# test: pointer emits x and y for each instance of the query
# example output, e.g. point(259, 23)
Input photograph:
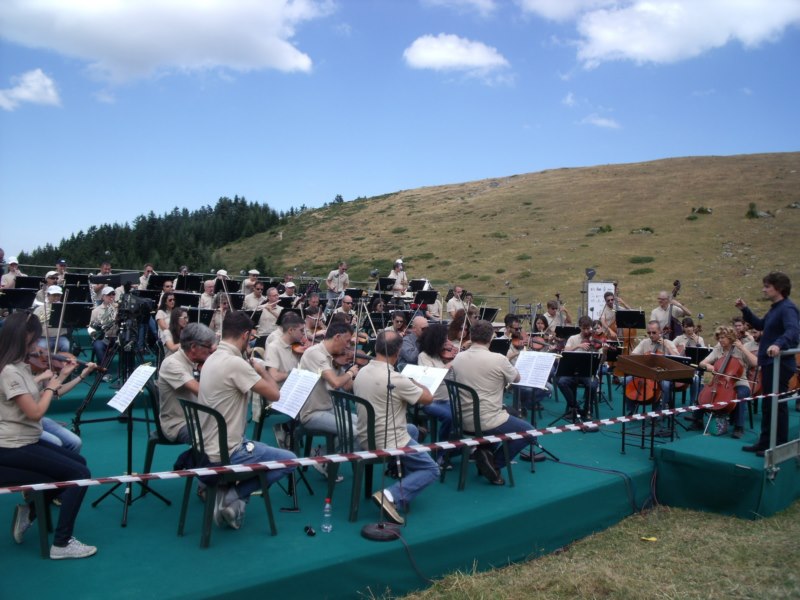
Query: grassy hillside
point(529, 236)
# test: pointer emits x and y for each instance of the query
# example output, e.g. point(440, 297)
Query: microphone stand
point(384, 531)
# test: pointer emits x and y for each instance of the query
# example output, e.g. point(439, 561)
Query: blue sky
point(110, 112)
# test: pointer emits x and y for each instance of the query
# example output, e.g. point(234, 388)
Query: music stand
point(385, 284)
point(152, 295)
point(230, 285)
point(26, 282)
point(76, 279)
point(697, 354)
point(77, 293)
point(500, 345)
point(189, 283)
point(255, 317)
point(577, 364)
point(658, 368)
point(186, 299)
point(236, 300)
point(417, 285)
point(12, 298)
point(356, 294)
point(156, 282)
point(201, 315)
point(76, 314)
point(564, 332)
point(488, 314)
point(287, 302)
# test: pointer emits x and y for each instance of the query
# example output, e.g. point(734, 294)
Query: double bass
point(673, 328)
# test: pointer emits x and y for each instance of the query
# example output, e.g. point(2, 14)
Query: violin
point(448, 354)
point(299, 347)
point(39, 362)
point(351, 358)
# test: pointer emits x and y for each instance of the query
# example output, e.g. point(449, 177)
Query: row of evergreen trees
point(180, 237)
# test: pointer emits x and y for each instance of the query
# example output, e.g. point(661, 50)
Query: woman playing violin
point(435, 350)
point(171, 337)
point(164, 313)
point(690, 338)
point(22, 406)
point(729, 344)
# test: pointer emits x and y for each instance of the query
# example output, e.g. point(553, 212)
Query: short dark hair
point(780, 281)
point(509, 319)
point(607, 294)
point(337, 327)
point(481, 332)
point(235, 324)
point(585, 321)
point(388, 343)
point(291, 319)
point(687, 322)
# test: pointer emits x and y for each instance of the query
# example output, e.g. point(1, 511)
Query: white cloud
point(447, 52)
point(666, 31)
point(34, 87)
point(569, 100)
point(127, 39)
point(483, 7)
point(560, 10)
point(598, 121)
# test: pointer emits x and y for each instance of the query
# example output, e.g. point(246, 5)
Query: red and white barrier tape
point(341, 458)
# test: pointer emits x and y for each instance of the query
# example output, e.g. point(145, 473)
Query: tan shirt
point(317, 359)
point(281, 357)
point(646, 346)
point(662, 315)
point(226, 380)
point(17, 430)
point(425, 360)
point(176, 371)
point(487, 373)
point(390, 429)
point(206, 301)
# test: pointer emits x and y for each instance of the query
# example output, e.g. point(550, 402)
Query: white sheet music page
point(534, 368)
point(430, 377)
point(123, 398)
point(295, 391)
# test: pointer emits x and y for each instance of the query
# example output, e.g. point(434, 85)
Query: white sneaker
point(73, 549)
point(21, 522)
point(233, 513)
point(322, 469)
point(218, 502)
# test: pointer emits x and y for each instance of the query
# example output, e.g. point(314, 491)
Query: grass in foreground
point(695, 555)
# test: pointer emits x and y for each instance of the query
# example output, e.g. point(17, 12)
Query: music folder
point(295, 390)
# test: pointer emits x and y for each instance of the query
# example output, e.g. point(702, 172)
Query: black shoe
point(485, 460)
point(754, 448)
point(760, 453)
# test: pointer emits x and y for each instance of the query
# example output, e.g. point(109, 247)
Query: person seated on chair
point(435, 350)
point(655, 343)
point(728, 342)
point(22, 406)
point(568, 385)
point(488, 373)
point(317, 413)
point(391, 429)
point(178, 378)
point(225, 385)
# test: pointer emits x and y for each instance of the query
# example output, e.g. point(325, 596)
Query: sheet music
point(430, 377)
point(534, 368)
point(295, 391)
point(123, 398)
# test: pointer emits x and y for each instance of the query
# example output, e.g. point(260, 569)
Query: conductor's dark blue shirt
point(781, 327)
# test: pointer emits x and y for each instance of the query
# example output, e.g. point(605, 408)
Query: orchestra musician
point(314, 324)
point(284, 352)
point(435, 350)
point(779, 331)
point(207, 297)
point(221, 309)
point(456, 303)
point(337, 282)
point(270, 312)
point(178, 320)
point(22, 406)
point(557, 315)
point(144, 279)
point(689, 338)
point(251, 281)
point(103, 329)
point(656, 343)
point(54, 334)
point(661, 313)
point(50, 279)
point(400, 278)
point(568, 385)
point(9, 279)
point(608, 316)
point(61, 272)
point(729, 344)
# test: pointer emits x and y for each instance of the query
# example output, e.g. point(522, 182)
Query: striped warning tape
point(365, 455)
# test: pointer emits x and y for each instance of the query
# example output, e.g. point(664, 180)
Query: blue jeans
point(569, 386)
point(512, 425)
point(53, 463)
point(441, 410)
point(63, 344)
point(325, 422)
point(259, 453)
point(419, 471)
point(742, 391)
point(59, 435)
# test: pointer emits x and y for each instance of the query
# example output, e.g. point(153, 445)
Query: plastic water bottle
point(327, 517)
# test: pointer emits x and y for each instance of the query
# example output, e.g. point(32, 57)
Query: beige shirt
point(176, 371)
point(226, 380)
point(400, 281)
point(662, 315)
point(280, 356)
point(339, 281)
point(206, 301)
point(454, 305)
point(646, 346)
point(424, 360)
point(269, 319)
point(718, 353)
point(317, 359)
point(487, 373)
point(17, 430)
point(370, 384)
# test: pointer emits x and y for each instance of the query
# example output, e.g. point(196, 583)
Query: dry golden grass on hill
point(540, 231)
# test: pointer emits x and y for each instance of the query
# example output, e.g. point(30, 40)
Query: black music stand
point(697, 354)
point(658, 368)
point(114, 280)
point(255, 317)
point(230, 286)
point(156, 282)
point(564, 332)
point(26, 282)
point(287, 302)
point(426, 297)
point(578, 364)
point(488, 313)
point(200, 315)
point(77, 293)
point(500, 345)
point(417, 285)
point(356, 294)
point(186, 299)
point(629, 319)
point(188, 283)
point(153, 295)
point(76, 314)
point(12, 298)
point(385, 284)
point(76, 279)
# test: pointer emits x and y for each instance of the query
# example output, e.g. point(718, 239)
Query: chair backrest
point(459, 393)
point(344, 405)
point(193, 412)
point(154, 399)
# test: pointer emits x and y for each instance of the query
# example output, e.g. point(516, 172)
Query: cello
point(727, 371)
point(673, 328)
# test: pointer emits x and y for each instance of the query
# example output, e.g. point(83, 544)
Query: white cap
point(51, 274)
point(399, 261)
point(222, 273)
point(289, 284)
point(12, 260)
point(54, 289)
point(107, 290)
point(251, 272)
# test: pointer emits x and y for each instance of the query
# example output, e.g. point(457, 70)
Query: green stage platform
point(592, 487)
